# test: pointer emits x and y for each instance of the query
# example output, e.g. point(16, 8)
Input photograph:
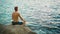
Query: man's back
point(15, 16)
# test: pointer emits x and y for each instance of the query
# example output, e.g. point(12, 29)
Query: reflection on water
point(43, 15)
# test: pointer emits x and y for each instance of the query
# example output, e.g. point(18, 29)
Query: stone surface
point(15, 29)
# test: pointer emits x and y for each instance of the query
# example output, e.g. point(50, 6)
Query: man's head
point(16, 8)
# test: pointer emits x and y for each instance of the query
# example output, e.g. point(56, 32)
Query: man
point(15, 16)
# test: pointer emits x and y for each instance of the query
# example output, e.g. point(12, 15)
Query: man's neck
point(16, 11)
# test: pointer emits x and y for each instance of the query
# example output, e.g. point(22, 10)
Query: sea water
point(43, 16)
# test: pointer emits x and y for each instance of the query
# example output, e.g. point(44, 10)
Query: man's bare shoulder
point(18, 13)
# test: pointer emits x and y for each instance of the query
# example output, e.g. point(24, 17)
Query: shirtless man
point(15, 16)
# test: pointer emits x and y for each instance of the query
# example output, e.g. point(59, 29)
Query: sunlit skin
point(15, 16)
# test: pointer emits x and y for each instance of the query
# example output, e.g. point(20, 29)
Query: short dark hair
point(16, 8)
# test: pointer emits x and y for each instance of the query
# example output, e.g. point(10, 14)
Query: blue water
point(43, 16)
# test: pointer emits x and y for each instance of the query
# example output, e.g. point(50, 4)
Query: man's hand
point(24, 22)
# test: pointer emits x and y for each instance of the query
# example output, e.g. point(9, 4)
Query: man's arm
point(21, 18)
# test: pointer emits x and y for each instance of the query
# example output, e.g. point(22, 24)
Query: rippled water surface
point(43, 15)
